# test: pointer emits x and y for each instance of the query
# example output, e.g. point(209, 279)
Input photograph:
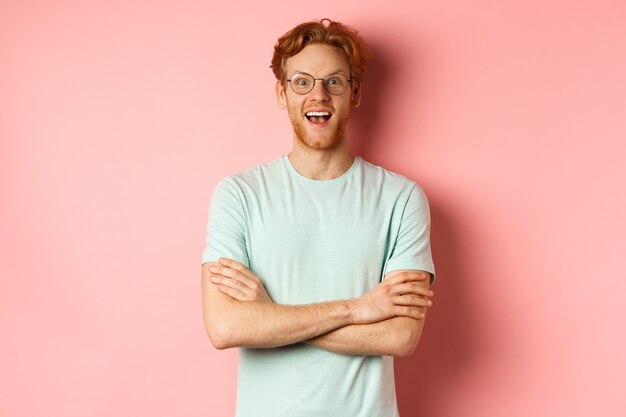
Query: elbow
point(220, 335)
point(406, 342)
point(219, 342)
point(404, 350)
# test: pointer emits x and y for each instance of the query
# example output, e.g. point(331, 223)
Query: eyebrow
point(339, 71)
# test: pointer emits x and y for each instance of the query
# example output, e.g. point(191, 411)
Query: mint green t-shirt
point(312, 241)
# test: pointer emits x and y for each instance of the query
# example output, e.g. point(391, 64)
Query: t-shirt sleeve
point(411, 249)
point(226, 225)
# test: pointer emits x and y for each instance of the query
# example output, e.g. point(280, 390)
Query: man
point(317, 263)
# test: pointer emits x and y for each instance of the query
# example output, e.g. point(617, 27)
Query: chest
point(307, 248)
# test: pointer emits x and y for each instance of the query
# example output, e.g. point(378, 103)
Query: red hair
point(334, 34)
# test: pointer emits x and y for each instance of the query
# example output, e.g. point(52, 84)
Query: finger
point(407, 277)
point(231, 263)
point(410, 312)
point(231, 283)
point(412, 288)
point(411, 300)
point(234, 274)
point(231, 292)
point(238, 266)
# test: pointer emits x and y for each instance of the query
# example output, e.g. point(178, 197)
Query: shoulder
point(251, 178)
point(388, 181)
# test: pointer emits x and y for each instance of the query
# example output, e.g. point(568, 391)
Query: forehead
point(318, 60)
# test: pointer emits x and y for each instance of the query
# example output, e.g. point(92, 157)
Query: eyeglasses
point(303, 83)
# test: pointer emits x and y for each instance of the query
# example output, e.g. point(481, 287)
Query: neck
point(318, 164)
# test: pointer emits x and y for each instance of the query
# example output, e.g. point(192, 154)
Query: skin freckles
point(319, 61)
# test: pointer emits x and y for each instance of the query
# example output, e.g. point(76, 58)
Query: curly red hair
point(334, 34)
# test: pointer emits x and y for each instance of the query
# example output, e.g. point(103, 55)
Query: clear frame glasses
point(303, 83)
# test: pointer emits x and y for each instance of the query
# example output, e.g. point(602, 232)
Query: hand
point(404, 294)
point(235, 280)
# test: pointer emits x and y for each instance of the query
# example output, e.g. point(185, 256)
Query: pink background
point(117, 118)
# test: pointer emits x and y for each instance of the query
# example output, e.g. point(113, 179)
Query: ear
point(281, 98)
point(356, 94)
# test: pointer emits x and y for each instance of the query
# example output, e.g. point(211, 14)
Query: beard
point(328, 141)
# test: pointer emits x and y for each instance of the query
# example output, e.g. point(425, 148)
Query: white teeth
point(317, 113)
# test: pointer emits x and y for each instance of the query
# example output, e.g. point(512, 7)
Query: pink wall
point(118, 117)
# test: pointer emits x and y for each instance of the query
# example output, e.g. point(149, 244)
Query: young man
point(317, 263)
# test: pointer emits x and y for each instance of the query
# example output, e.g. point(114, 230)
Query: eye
point(301, 81)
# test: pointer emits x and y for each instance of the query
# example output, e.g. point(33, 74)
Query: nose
point(319, 93)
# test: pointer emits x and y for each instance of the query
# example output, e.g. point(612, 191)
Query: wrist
point(351, 307)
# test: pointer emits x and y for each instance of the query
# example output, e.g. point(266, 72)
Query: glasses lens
point(336, 83)
point(302, 83)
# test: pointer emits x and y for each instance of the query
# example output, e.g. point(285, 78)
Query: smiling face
point(318, 118)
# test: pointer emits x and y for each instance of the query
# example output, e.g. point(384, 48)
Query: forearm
point(239, 313)
point(234, 323)
point(397, 336)
point(263, 325)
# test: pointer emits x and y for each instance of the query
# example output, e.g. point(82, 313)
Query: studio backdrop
point(117, 119)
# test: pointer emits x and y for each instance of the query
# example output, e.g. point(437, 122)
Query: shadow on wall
point(365, 121)
point(447, 349)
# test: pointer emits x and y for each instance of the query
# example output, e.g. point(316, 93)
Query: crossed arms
point(387, 320)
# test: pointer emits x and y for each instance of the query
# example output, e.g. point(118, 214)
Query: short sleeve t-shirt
point(312, 241)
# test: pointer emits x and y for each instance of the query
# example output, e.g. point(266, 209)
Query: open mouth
point(318, 117)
